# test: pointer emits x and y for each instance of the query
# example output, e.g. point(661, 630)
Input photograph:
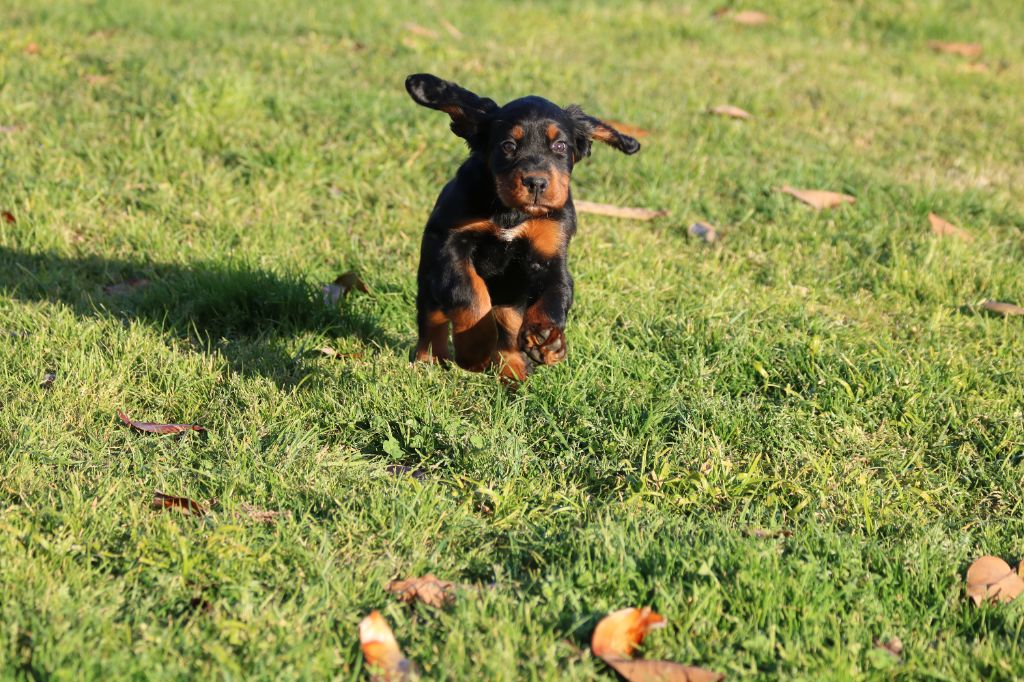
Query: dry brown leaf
point(383, 656)
point(730, 111)
point(180, 504)
point(969, 50)
point(945, 228)
point(991, 578)
point(126, 286)
point(341, 286)
point(818, 198)
point(661, 671)
point(893, 645)
point(48, 378)
point(626, 128)
point(421, 31)
point(749, 17)
point(999, 308)
point(618, 635)
point(402, 470)
point(452, 31)
point(704, 232)
point(162, 429)
point(259, 515)
point(618, 211)
point(427, 589)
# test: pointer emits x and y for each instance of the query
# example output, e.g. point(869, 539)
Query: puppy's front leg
point(542, 336)
point(474, 334)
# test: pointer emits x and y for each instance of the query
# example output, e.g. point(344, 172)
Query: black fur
point(505, 220)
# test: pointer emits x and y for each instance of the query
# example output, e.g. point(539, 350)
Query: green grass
point(817, 372)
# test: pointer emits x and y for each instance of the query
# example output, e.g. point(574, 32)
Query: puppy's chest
point(526, 248)
point(536, 241)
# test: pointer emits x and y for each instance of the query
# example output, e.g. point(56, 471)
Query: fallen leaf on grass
point(427, 589)
point(892, 645)
point(945, 228)
point(329, 352)
point(730, 111)
point(421, 31)
point(48, 379)
point(340, 287)
point(618, 211)
point(259, 515)
point(991, 578)
point(661, 671)
point(163, 429)
point(402, 470)
point(382, 653)
point(126, 286)
point(8, 217)
point(180, 504)
point(452, 31)
point(1000, 308)
point(749, 17)
point(628, 129)
point(618, 635)
point(818, 198)
point(960, 49)
point(704, 232)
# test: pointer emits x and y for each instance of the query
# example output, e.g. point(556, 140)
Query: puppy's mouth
point(534, 193)
point(536, 207)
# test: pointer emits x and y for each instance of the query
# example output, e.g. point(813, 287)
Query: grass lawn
point(824, 373)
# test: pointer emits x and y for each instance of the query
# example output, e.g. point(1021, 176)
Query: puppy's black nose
point(535, 183)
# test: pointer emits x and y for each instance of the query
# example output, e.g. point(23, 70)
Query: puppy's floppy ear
point(468, 111)
point(588, 128)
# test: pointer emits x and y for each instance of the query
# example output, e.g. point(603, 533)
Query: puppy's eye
point(559, 147)
point(508, 147)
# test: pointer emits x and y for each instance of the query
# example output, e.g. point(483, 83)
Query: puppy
point(494, 258)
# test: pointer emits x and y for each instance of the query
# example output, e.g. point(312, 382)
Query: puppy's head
point(530, 145)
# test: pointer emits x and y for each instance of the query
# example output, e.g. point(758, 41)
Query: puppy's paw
point(513, 366)
point(543, 345)
point(424, 355)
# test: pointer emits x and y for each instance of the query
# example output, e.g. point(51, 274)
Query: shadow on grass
point(246, 313)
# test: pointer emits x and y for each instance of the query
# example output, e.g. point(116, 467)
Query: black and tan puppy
point(494, 257)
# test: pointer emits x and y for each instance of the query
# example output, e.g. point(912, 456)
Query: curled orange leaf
point(990, 578)
point(381, 651)
point(621, 632)
point(618, 635)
